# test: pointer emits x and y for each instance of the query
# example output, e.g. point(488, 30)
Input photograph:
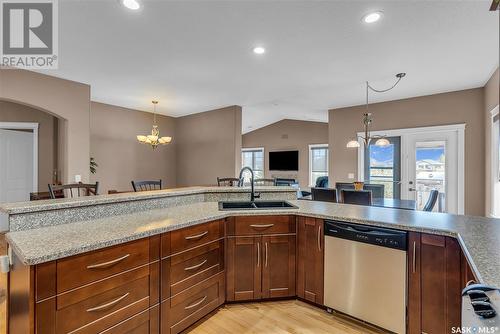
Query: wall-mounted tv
point(284, 160)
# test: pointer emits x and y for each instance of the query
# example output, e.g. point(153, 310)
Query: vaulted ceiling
point(197, 55)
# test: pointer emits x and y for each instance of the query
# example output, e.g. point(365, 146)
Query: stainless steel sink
point(256, 205)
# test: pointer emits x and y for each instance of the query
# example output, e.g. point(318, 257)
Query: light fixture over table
point(154, 138)
point(367, 119)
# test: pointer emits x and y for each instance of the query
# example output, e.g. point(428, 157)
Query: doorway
point(18, 161)
point(430, 158)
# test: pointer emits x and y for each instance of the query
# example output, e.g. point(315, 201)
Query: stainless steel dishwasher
point(365, 273)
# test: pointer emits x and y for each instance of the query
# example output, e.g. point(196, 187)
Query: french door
point(417, 161)
point(432, 163)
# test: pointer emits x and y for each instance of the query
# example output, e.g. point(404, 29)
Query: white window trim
point(34, 128)
point(459, 128)
point(248, 149)
point(494, 160)
point(312, 182)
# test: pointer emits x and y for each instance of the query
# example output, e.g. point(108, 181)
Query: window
point(318, 162)
point(382, 166)
point(253, 158)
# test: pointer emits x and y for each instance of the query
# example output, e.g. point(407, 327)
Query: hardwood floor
point(3, 290)
point(291, 316)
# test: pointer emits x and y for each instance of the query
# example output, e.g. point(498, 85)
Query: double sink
point(256, 205)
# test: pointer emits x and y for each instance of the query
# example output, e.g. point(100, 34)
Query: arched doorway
point(30, 150)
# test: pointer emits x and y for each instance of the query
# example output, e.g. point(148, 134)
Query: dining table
point(393, 203)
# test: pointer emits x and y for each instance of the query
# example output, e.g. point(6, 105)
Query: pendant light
point(367, 120)
point(154, 138)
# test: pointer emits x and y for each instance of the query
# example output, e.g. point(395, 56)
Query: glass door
point(432, 164)
point(383, 166)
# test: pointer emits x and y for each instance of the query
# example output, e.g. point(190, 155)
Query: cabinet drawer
point(187, 307)
point(105, 309)
point(79, 270)
point(190, 237)
point(186, 269)
point(145, 322)
point(259, 225)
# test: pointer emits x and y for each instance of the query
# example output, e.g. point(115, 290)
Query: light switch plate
point(78, 178)
point(350, 176)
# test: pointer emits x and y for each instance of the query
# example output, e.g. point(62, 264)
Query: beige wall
point(465, 106)
point(491, 98)
point(121, 158)
point(62, 98)
point(47, 137)
point(207, 146)
point(288, 135)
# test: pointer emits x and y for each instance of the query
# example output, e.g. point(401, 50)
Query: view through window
point(253, 158)
point(318, 162)
point(430, 172)
point(382, 166)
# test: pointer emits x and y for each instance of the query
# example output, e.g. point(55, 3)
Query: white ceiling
point(197, 55)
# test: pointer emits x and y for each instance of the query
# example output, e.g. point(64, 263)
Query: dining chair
point(146, 185)
point(228, 181)
point(359, 197)
point(376, 189)
point(431, 201)
point(324, 194)
point(321, 182)
point(73, 190)
point(264, 182)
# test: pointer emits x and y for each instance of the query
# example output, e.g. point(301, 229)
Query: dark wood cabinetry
point(260, 257)
point(310, 259)
point(244, 263)
point(164, 284)
point(434, 284)
point(278, 266)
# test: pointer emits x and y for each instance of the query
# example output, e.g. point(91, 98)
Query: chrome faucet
point(252, 194)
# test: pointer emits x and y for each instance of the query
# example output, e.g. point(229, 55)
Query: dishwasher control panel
point(374, 235)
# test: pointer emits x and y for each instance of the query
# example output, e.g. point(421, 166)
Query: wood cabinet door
point(435, 284)
point(310, 257)
point(278, 266)
point(244, 262)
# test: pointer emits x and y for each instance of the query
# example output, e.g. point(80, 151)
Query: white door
point(16, 165)
point(433, 161)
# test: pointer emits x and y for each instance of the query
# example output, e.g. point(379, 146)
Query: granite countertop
point(478, 236)
point(64, 203)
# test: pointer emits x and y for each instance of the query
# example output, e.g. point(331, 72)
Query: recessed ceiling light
point(131, 4)
point(372, 17)
point(259, 50)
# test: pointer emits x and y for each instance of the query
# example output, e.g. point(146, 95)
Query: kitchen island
point(54, 243)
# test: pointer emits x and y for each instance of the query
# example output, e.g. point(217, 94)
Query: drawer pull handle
point(108, 305)
point(266, 255)
point(319, 238)
point(198, 236)
point(261, 225)
point(195, 304)
point(108, 264)
point(470, 282)
point(258, 254)
point(414, 259)
point(195, 266)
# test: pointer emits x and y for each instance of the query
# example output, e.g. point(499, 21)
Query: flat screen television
point(284, 160)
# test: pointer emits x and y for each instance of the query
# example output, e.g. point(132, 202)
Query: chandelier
point(367, 119)
point(154, 138)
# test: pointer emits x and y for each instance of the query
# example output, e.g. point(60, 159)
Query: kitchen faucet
point(252, 194)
